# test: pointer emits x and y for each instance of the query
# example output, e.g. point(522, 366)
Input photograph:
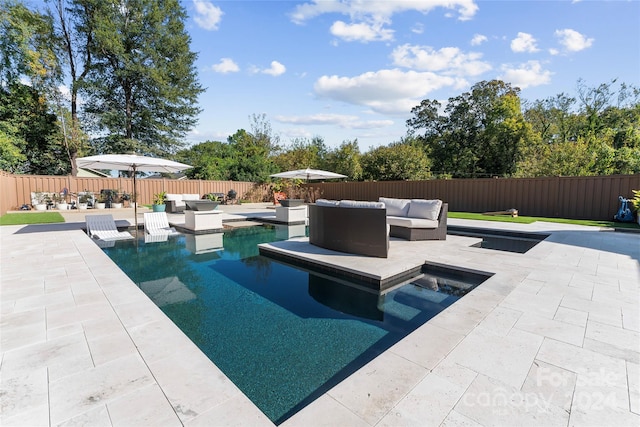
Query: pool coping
point(385, 391)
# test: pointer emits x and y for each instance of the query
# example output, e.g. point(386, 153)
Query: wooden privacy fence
point(590, 197)
point(15, 190)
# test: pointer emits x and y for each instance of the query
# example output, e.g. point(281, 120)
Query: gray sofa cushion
point(325, 202)
point(360, 204)
point(427, 209)
point(395, 207)
point(408, 222)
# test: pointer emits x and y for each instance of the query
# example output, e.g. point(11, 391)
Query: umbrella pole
point(135, 197)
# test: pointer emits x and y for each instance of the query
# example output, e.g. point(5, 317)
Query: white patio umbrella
point(133, 163)
point(308, 174)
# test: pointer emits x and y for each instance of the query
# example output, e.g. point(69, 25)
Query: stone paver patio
point(553, 338)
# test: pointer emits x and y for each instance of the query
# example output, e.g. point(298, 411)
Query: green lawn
point(52, 217)
point(31, 218)
point(530, 219)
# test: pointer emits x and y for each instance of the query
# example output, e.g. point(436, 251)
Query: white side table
point(202, 220)
point(294, 214)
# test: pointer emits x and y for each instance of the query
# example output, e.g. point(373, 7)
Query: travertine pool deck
point(552, 338)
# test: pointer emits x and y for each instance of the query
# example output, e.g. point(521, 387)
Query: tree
point(11, 157)
point(599, 136)
point(553, 118)
point(504, 136)
point(29, 125)
point(397, 161)
point(141, 87)
point(74, 32)
point(212, 160)
point(29, 135)
point(346, 160)
point(481, 132)
point(593, 102)
point(301, 154)
point(27, 48)
point(251, 157)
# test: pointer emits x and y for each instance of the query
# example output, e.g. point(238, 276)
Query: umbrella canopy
point(308, 174)
point(133, 163)
point(130, 162)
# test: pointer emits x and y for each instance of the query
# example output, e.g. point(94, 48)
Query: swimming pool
point(283, 335)
point(500, 240)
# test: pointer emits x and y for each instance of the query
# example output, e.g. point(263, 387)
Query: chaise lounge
point(157, 224)
point(103, 227)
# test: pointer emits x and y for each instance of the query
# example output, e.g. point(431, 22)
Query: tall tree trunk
point(65, 28)
point(128, 112)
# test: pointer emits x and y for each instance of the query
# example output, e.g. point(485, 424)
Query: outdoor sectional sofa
point(176, 202)
point(416, 219)
point(349, 226)
point(364, 227)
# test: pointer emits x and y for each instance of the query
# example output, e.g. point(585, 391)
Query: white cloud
point(200, 135)
point(275, 70)
point(448, 60)
point(297, 132)
point(524, 43)
point(478, 39)
point(525, 75)
point(368, 18)
point(340, 120)
point(207, 16)
point(418, 28)
point(226, 65)
point(360, 32)
point(385, 91)
point(572, 40)
point(380, 10)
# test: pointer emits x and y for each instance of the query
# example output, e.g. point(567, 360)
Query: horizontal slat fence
point(589, 197)
point(15, 190)
point(593, 197)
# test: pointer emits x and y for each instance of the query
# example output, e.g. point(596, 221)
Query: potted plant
point(101, 203)
point(125, 197)
point(158, 201)
point(40, 201)
point(83, 200)
point(214, 198)
point(278, 193)
point(57, 201)
point(116, 200)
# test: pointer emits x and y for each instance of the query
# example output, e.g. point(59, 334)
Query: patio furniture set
point(177, 203)
point(355, 227)
point(364, 227)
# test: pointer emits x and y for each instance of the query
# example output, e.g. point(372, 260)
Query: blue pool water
point(284, 336)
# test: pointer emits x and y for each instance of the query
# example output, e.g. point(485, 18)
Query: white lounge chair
point(155, 238)
point(103, 227)
point(157, 223)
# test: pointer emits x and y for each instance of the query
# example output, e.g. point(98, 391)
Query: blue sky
point(347, 69)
